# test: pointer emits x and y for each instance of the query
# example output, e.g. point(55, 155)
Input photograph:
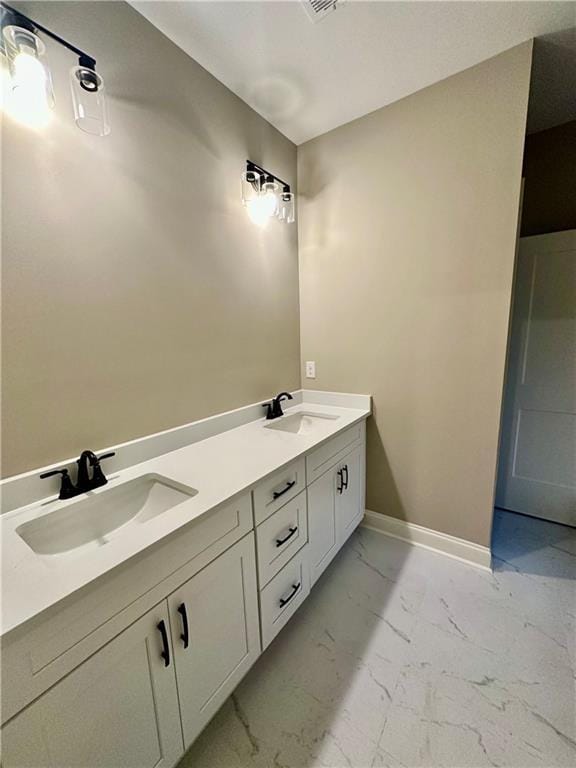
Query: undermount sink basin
point(97, 518)
point(301, 423)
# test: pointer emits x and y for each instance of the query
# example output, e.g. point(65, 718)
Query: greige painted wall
point(137, 295)
point(550, 181)
point(407, 234)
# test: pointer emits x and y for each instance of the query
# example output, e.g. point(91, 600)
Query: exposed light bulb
point(28, 100)
point(262, 208)
point(28, 96)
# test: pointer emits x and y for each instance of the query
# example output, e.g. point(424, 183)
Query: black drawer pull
point(340, 486)
point(165, 654)
point(285, 600)
point(345, 482)
point(184, 636)
point(277, 494)
point(279, 542)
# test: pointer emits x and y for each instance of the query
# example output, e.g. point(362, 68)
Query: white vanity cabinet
point(214, 622)
point(119, 709)
point(126, 672)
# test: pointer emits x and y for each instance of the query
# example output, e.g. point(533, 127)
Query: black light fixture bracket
point(12, 16)
point(266, 175)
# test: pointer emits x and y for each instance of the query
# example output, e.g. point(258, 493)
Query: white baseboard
point(459, 549)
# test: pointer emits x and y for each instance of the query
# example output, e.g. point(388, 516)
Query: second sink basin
point(97, 518)
point(301, 423)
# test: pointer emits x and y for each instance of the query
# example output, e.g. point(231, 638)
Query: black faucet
point(274, 407)
point(89, 459)
point(85, 482)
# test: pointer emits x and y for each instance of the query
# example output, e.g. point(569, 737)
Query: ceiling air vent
point(319, 9)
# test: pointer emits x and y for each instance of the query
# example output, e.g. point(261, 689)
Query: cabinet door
point(350, 501)
point(119, 709)
point(322, 525)
point(214, 618)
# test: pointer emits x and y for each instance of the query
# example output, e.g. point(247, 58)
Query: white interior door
point(537, 472)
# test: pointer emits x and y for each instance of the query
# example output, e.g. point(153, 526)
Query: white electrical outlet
point(310, 369)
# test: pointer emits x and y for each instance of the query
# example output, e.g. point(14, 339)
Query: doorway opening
point(536, 485)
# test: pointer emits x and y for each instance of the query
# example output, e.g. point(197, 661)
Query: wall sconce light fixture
point(30, 97)
point(266, 196)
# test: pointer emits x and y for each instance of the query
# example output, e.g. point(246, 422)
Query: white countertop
point(219, 468)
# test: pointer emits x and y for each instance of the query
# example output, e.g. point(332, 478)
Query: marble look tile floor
point(404, 658)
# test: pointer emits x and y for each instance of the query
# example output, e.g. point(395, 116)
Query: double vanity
point(131, 612)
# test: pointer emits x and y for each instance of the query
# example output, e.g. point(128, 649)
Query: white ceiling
point(308, 78)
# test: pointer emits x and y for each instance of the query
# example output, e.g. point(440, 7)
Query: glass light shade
point(291, 209)
point(89, 100)
point(251, 181)
point(30, 97)
point(286, 207)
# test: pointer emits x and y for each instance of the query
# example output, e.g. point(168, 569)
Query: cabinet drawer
point(280, 536)
point(45, 649)
point(273, 492)
point(328, 454)
point(283, 595)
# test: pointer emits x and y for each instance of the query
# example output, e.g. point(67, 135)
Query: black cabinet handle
point(340, 487)
point(277, 494)
point(345, 482)
point(165, 653)
point(279, 542)
point(184, 636)
point(285, 600)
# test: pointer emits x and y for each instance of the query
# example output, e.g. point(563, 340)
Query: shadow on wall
point(339, 653)
point(189, 123)
point(552, 80)
point(322, 225)
point(380, 482)
point(315, 180)
point(188, 142)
